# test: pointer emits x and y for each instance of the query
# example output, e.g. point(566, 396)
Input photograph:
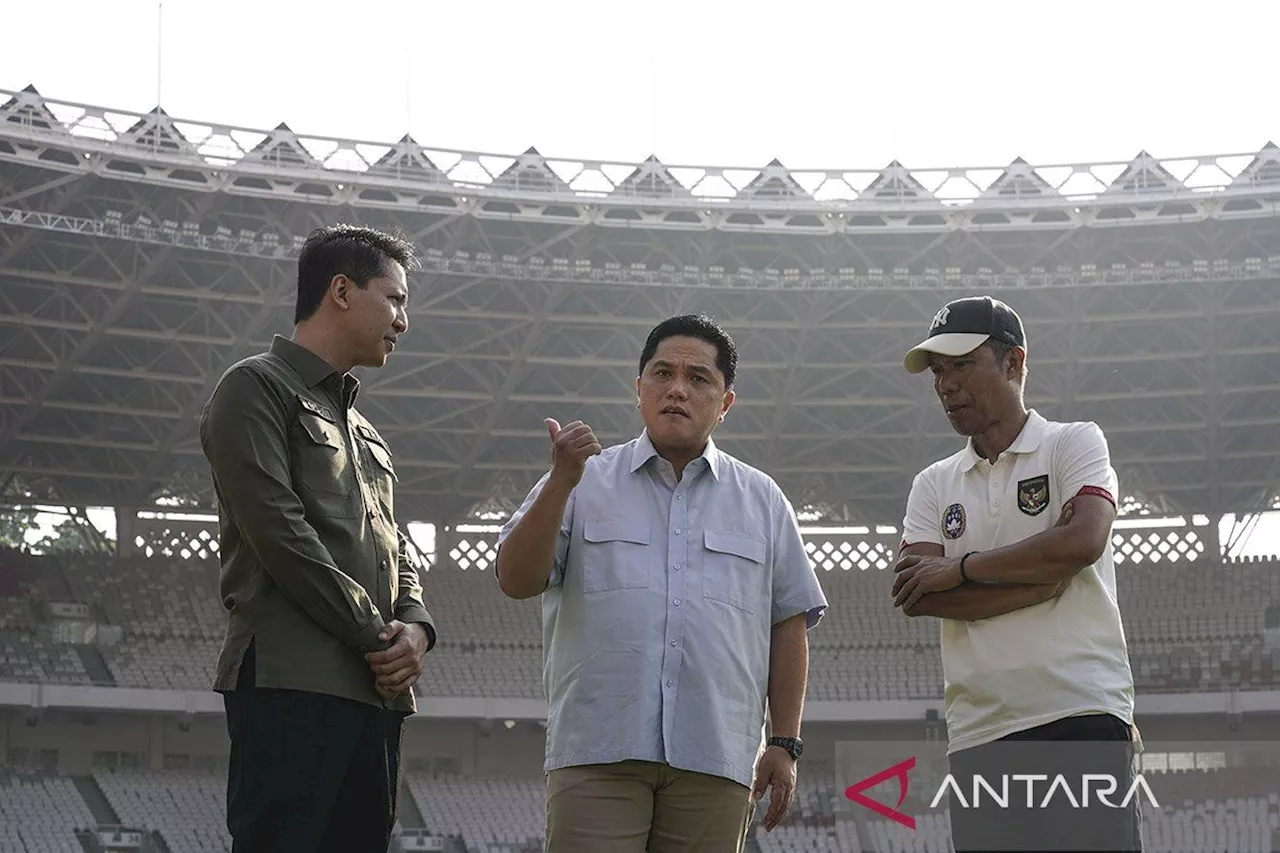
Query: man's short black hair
point(358, 253)
point(999, 348)
point(695, 326)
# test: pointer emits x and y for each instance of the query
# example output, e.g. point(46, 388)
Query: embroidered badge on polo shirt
point(953, 522)
point(1033, 494)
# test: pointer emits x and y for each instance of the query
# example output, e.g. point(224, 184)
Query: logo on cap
point(940, 319)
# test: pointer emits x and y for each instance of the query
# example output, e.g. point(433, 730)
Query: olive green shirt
point(313, 565)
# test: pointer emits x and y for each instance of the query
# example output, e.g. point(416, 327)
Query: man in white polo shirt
point(1007, 542)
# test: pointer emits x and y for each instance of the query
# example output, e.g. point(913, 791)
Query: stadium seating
point(23, 579)
point(1184, 634)
point(931, 835)
point(1234, 823)
point(165, 664)
point(469, 607)
point(1202, 812)
point(1207, 811)
point(188, 807)
point(25, 656)
point(170, 615)
point(16, 611)
point(800, 838)
point(865, 650)
point(149, 597)
point(490, 815)
point(41, 814)
point(470, 670)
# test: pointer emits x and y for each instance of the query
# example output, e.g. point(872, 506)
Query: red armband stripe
point(1099, 492)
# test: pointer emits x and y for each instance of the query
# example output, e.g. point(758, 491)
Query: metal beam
point(97, 329)
point(186, 423)
point(893, 202)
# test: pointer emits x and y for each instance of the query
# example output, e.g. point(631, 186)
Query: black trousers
point(309, 773)
point(1097, 745)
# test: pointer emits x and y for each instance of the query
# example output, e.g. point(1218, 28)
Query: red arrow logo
point(899, 770)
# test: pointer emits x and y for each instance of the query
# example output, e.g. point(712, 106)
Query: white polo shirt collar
point(1028, 441)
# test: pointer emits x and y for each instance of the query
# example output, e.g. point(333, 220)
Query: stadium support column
point(1211, 535)
point(156, 742)
point(126, 531)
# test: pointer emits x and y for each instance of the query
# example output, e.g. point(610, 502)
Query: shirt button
point(675, 643)
point(676, 602)
point(670, 683)
point(677, 531)
point(383, 565)
point(679, 497)
point(676, 567)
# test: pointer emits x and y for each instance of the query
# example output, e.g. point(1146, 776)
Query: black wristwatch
point(793, 745)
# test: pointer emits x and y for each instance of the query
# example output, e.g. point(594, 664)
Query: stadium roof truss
point(140, 255)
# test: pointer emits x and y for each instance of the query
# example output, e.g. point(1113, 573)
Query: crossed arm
point(973, 601)
point(1002, 580)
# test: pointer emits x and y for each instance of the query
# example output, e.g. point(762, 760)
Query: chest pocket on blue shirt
point(733, 569)
point(615, 555)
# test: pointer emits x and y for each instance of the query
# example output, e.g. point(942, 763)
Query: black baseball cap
point(964, 325)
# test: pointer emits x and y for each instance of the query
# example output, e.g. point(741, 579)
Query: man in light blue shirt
point(676, 597)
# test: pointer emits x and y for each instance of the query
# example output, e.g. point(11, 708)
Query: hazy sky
point(815, 84)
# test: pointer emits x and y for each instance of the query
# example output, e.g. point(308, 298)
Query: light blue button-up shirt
point(658, 614)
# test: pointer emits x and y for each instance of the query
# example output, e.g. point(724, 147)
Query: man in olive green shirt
point(326, 623)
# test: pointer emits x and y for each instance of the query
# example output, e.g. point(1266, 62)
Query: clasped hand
point(400, 665)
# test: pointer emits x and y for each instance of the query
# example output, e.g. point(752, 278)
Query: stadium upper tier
point(279, 163)
point(140, 255)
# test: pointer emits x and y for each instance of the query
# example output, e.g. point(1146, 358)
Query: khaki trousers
point(644, 807)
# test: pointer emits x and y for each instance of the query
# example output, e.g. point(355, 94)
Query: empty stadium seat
point(1184, 634)
point(26, 656)
point(41, 814)
point(482, 811)
point(166, 664)
point(187, 807)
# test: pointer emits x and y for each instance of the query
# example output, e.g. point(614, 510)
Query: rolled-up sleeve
point(562, 540)
point(244, 433)
point(796, 588)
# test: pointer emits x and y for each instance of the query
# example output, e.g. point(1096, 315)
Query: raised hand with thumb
point(571, 446)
